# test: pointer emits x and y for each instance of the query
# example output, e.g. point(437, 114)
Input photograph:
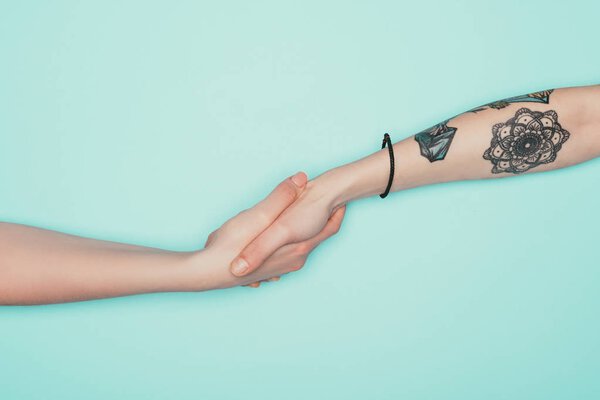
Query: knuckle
point(242, 215)
point(263, 217)
point(299, 266)
point(253, 254)
point(210, 237)
point(302, 248)
point(288, 191)
point(230, 225)
point(248, 250)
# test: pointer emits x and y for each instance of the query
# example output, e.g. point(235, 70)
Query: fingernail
point(239, 266)
point(297, 179)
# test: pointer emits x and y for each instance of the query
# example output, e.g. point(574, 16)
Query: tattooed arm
point(529, 133)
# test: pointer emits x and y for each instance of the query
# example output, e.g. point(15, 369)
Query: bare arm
point(524, 134)
point(43, 266)
point(40, 266)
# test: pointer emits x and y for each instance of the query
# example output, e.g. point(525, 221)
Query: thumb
point(261, 248)
point(269, 210)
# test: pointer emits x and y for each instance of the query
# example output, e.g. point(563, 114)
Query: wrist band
point(388, 141)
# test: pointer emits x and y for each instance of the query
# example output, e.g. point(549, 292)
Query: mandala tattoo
point(537, 97)
point(529, 139)
point(435, 141)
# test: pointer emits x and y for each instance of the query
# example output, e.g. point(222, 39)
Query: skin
point(276, 236)
point(39, 266)
point(578, 110)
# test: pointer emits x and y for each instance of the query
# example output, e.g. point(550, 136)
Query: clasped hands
point(275, 236)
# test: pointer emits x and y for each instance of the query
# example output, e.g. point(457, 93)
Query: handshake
point(39, 266)
point(274, 237)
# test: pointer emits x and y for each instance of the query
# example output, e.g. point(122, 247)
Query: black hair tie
point(388, 141)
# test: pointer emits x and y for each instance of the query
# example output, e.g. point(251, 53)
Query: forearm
point(488, 142)
point(41, 266)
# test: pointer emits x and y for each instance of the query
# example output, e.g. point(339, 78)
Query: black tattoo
point(529, 139)
point(537, 97)
point(435, 141)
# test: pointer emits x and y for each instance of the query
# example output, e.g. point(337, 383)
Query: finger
point(259, 250)
point(209, 239)
point(305, 247)
point(280, 198)
point(264, 213)
point(255, 254)
point(254, 285)
point(331, 228)
point(273, 279)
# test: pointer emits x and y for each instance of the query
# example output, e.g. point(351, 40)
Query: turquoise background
point(153, 122)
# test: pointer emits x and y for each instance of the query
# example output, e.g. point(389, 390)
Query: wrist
point(363, 178)
point(202, 270)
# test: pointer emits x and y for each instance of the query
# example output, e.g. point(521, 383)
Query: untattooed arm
point(40, 266)
point(529, 133)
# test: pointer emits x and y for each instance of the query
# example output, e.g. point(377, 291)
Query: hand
point(312, 218)
point(323, 200)
point(231, 238)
